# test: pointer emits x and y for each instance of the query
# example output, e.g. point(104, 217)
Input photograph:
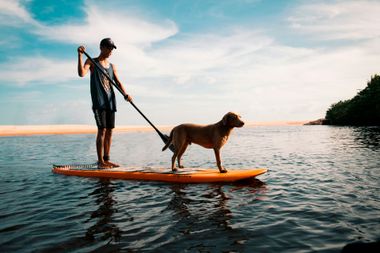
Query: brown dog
point(210, 136)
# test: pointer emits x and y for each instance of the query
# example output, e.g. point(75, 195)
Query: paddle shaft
point(164, 138)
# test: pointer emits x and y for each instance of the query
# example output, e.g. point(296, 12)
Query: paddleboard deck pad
point(184, 175)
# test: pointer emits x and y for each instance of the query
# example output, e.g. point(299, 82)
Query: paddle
point(164, 137)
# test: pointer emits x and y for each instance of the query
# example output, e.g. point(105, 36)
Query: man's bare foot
point(113, 165)
point(104, 165)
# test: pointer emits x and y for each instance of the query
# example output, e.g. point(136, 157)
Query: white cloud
point(339, 20)
point(61, 112)
point(122, 27)
point(207, 56)
point(37, 69)
point(12, 13)
point(239, 69)
point(132, 35)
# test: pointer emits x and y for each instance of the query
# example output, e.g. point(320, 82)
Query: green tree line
point(361, 110)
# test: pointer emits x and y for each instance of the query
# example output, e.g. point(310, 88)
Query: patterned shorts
point(104, 118)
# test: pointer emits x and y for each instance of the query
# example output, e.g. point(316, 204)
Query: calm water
point(322, 192)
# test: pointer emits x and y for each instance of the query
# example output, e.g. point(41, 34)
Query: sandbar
point(26, 130)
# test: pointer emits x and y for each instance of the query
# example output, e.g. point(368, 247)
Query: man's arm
point(82, 69)
point(117, 80)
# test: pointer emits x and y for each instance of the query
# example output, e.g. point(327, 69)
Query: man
point(103, 98)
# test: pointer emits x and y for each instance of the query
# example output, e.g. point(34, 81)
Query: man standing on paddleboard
point(103, 98)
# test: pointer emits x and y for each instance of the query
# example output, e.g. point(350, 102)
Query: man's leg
point(110, 124)
point(107, 147)
point(100, 118)
point(99, 147)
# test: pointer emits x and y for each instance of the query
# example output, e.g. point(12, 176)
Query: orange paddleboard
point(185, 175)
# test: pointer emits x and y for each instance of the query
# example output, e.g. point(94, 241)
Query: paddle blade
point(165, 139)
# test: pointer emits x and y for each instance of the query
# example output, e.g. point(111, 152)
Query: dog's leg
point(180, 153)
point(218, 160)
point(173, 161)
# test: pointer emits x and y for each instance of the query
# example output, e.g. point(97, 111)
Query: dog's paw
point(174, 169)
point(223, 170)
point(181, 167)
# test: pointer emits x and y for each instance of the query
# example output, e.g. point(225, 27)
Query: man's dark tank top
point(102, 94)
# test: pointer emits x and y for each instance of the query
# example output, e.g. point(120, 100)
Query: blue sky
point(187, 61)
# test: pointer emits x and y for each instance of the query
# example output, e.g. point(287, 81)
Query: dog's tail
point(169, 141)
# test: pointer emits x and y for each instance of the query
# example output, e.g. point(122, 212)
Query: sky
point(187, 61)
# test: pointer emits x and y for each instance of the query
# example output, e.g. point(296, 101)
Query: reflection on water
point(193, 215)
point(252, 185)
point(369, 137)
point(321, 193)
point(103, 226)
point(204, 216)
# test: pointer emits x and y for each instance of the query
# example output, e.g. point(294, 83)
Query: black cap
point(107, 42)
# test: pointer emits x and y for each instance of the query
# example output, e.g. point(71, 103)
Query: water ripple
point(321, 193)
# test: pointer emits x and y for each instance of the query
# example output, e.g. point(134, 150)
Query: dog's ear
point(225, 119)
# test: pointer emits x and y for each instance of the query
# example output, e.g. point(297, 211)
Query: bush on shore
point(361, 110)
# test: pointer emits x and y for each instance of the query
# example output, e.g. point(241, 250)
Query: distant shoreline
point(26, 130)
